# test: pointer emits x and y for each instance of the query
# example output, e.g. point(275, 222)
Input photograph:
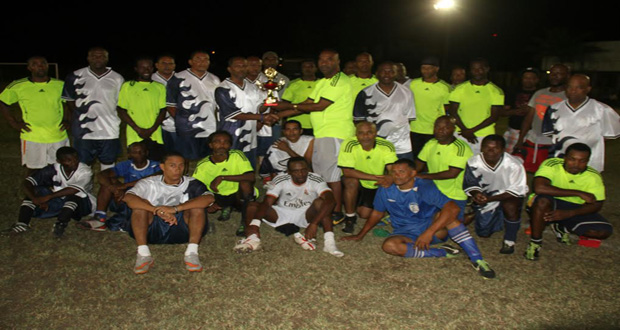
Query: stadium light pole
point(445, 7)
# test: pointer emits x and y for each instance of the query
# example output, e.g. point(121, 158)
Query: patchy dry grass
point(86, 280)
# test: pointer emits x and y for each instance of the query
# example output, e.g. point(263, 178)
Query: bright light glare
point(444, 4)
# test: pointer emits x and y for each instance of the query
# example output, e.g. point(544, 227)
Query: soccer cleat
point(561, 234)
point(225, 214)
point(349, 224)
point(330, 247)
point(240, 231)
point(337, 217)
point(59, 229)
point(384, 221)
point(309, 245)
point(93, 224)
point(247, 245)
point(192, 262)
point(507, 248)
point(532, 252)
point(451, 252)
point(143, 264)
point(483, 269)
point(16, 229)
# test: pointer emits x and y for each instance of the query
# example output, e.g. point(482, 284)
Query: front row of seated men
point(171, 208)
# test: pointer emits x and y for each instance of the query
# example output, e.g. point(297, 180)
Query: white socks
point(144, 251)
point(191, 248)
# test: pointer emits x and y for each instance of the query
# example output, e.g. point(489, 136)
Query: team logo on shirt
point(414, 207)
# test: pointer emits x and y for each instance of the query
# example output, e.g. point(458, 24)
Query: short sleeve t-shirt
point(158, 192)
point(297, 92)
point(194, 100)
point(358, 84)
point(540, 101)
point(41, 106)
point(233, 100)
point(337, 119)
point(54, 177)
point(475, 102)
point(352, 155)
point(589, 181)
point(236, 164)
point(296, 197)
point(130, 173)
point(143, 101)
point(430, 100)
point(440, 157)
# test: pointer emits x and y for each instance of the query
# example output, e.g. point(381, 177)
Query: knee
point(542, 203)
point(597, 234)
point(350, 183)
point(390, 246)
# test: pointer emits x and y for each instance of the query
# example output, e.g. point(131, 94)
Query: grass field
point(86, 280)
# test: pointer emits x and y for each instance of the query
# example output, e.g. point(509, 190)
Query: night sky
point(507, 32)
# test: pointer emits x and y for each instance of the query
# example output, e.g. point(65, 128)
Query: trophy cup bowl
point(271, 87)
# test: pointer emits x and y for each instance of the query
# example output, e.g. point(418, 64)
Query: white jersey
point(508, 176)
point(54, 176)
point(212, 78)
point(407, 82)
point(168, 123)
point(266, 130)
point(193, 98)
point(276, 160)
point(296, 197)
point(159, 193)
point(390, 112)
point(95, 97)
point(589, 123)
point(233, 100)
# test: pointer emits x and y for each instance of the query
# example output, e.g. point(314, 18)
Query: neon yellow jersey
point(440, 157)
point(143, 100)
point(589, 181)
point(358, 84)
point(337, 119)
point(41, 106)
point(236, 164)
point(475, 104)
point(297, 92)
point(430, 99)
point(352, 155)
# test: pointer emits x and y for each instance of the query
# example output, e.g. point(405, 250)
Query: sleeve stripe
point(514, 193)
point(32, 180)
point(230, 116)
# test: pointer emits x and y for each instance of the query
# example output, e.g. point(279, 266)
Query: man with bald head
point(581, 119)
point(330, 106)
point(532, 145)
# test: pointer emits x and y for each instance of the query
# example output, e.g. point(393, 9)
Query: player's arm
point(126, 118)
point(247, 176)
point(138, 203)
point(542, 186)
point(309, 151)
point(557, 215)
point(420, 166)
point(450, 173)
point(66, 117)
point(329, 201)
point(199, 202)
point(357, 174)
point(18, 125)
point(373, 219)
point(526, 125)
point(172, 111)
point(290, 109)
point(495, 110)
point(160, 119)
point(453, 112)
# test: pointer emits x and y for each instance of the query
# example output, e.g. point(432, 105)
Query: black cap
point(430, 60)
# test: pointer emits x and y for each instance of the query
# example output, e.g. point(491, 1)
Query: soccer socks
point(106, 166)
point(144, 250)
point(414, 252)
point(461, 236)
point(101, 215)
point(26, 211)
point(511, 230)
point(191, 248)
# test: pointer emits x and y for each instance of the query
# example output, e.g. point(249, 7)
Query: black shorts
point(579, 224)
point(366, 197)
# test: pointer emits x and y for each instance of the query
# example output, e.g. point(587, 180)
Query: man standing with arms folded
point(92, 96)
point(43, 127)
point(430, 95)
point(331, 113)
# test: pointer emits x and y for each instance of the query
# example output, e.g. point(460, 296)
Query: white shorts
point(38, 155)
point(325, 158)
point(296, 217)
point(511, 136)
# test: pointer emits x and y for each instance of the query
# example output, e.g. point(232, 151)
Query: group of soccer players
point(377, 142)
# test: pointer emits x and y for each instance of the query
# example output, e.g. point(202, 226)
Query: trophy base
point(270, 104)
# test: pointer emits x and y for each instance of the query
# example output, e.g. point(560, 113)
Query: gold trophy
point(271, 86)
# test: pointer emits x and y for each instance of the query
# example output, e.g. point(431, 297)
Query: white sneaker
point(247, 245)
point(330, 247)
point(309, 245)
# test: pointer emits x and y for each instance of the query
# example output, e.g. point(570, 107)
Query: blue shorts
point(121, 219)
point(84, 207)
point(160, 232)
point(489, 222)
point(105, 150)
point(461, 204)
point(579, 224)
point(192, 148)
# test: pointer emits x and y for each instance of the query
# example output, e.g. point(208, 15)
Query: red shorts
point(532, 157)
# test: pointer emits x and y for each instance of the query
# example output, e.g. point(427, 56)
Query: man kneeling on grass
point(568, 196)
point(421, 215)
point(168, 209)
point(303, 201)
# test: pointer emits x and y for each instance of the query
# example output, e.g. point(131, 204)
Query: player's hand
point(557, 215)
point(469, 135)
point(310, 232)
point(270, 119)
point(216, 182)
point(384, 181)
point(40, 200)
point(520, 111)
point(159, 210)
point(21, 126)
point(588, 197)
point(65, 125)
point(355, 238)
point(424, 241)
point(480, 198)
point(143, 133)
point(213, 208)
point(282, 145)
point(263, 108)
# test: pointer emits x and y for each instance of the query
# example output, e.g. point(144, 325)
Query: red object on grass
point(589, 242)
